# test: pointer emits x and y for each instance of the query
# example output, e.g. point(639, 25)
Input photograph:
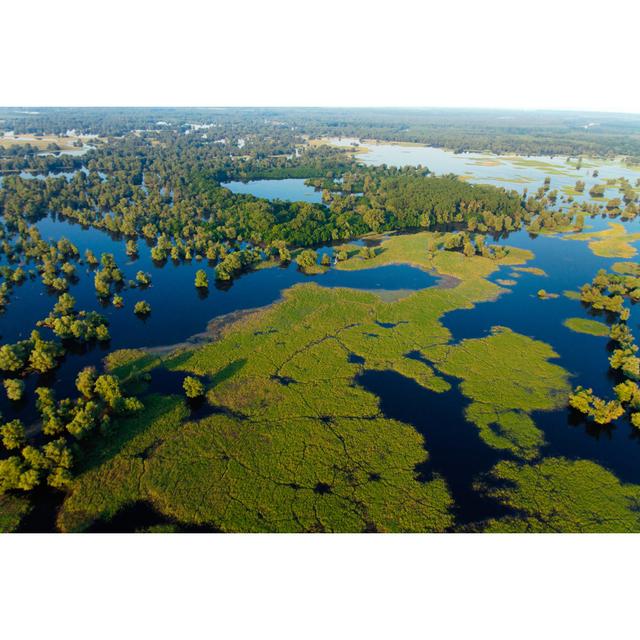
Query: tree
point(14, 388)
point(142, 308)
point(59, 478)
point(374, 219)
point(284, 254)
point(13, 434)
point(13, 356)
point(602, 411)
point(90, 258)
point(52, 423)
point(44, 354)
point(453, 242)
point(102, 333)
point(193, 387)
point(202, 281)
point(307, 259)
point(143, 279)
point(85, 419)
point(325, 261)
point(65, 305)
point(628, 392)
point(132, 248)
point(107, 387)
point(58, 453)
point(14, 474)
point(85, 381)
point(581, 400)
point(34, 458)
point(468, 249)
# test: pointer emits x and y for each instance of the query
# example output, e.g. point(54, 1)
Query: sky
point(521, 54)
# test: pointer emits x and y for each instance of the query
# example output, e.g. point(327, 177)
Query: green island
point(614, 242)
point(585, 325)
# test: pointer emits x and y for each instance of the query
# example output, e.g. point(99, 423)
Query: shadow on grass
point(143, 517)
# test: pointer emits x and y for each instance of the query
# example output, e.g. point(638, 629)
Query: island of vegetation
point(588, 326)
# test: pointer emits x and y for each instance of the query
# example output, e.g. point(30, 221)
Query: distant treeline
point(521, 132)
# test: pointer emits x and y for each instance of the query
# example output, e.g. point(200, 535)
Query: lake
point(291, 189)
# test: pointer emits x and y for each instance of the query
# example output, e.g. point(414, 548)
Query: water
point(510, 172)
point(291, 189)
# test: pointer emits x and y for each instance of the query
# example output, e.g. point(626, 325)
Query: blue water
point(292, 189)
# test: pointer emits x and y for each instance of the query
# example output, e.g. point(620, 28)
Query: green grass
point(559, 495)
point(571, 191)
point(260, 472)
point(486, 161)
point(513, 180)
point(614, 242)
point(591, 327)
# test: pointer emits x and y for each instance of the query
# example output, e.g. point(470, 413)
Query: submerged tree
point(202, 281)
point(142, 308)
